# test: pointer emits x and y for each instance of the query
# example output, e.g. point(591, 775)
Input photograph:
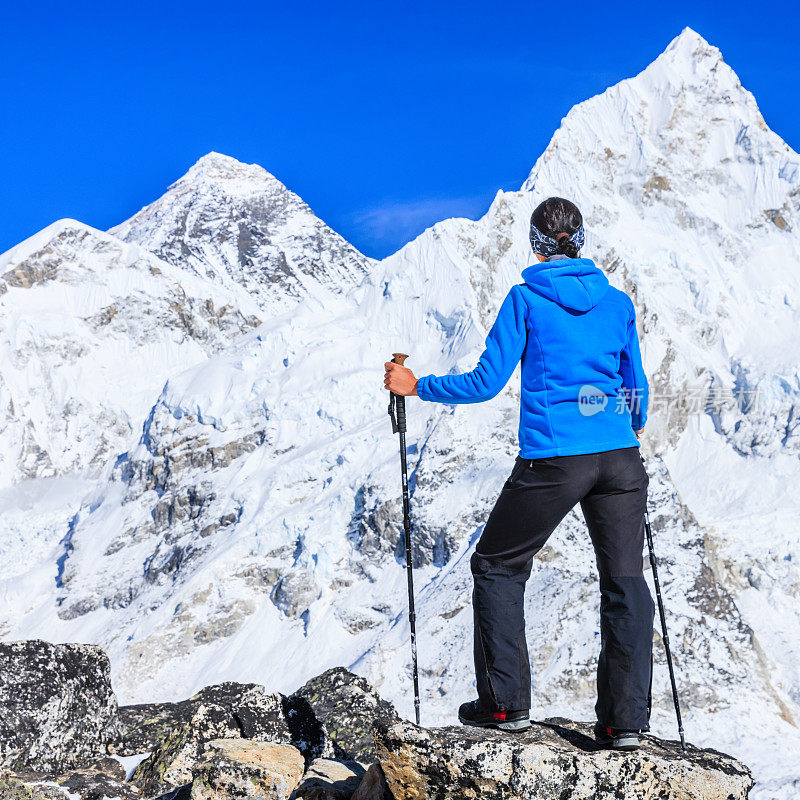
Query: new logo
point(591, 400)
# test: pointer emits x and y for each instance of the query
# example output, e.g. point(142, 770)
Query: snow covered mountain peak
point(240, 226)
point(216, 171)
point(682, 137)
point(52, 240)
point(689, 47)
point(689, 62)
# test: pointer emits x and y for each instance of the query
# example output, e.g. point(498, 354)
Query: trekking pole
point(398, 402)
point(661, 613)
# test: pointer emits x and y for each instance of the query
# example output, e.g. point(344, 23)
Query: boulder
point(345, 705)
point(242, 768)
point(256, 714)
point(145, 725)
point(263, 717)
point(373, 785)
point(104, 779)
point(329, 717)
point(172, 762)
point(330, 779)
point(28, 786)
point(57, 709)
point(554, 758)
point(309, 733)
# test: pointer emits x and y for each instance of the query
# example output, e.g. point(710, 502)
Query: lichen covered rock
point(103, 779)
point(256, 713)
point(554, 759)
point(57, 707)
point(263, 717)
point(171, 764)
point(346, 705)
point(234, 740)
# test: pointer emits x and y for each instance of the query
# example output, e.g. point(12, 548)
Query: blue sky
point(385, 118)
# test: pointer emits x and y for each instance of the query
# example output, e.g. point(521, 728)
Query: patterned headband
point(548, 246)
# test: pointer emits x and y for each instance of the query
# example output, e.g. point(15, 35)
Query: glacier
point(198, 471)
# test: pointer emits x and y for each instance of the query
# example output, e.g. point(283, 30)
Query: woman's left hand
point(399, 380)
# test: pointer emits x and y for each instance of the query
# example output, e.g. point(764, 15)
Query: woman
point(583, 406)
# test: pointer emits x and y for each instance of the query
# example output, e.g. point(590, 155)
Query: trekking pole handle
point(399, 400)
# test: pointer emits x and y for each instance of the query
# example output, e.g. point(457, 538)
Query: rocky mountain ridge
point(332, 739)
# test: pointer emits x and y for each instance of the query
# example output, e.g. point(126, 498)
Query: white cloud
point(396, 222)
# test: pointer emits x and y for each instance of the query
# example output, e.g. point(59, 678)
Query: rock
point(171, 764)
point(144, 726)
point(257, 714)
point(309, 733)
point(243, 768)
point(57, 709)
point(329, 779)
point(109, 767)
point(104, 779)
point(181, 793)
point(170, 731)
point(555, 758)
point(345, 705)
point(373, 785)
point(95, 784)
point(27, 787)
point(295, 592)
point(263, 717)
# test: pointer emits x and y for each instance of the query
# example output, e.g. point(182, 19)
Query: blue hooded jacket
point(583, 386)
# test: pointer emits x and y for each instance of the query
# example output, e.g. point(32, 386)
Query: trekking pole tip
point(399, 358)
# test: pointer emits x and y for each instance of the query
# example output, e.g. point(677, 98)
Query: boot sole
point(625, 747)
point(512, 725)
point(624, 742)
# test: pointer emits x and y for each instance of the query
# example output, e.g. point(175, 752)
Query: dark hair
point(557, 215)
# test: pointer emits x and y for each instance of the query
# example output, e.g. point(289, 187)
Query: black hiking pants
point(612, 490)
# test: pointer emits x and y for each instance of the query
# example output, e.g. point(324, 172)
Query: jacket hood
point(575, 283)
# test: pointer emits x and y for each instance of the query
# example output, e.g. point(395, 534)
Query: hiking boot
point(470, 714)
point(616, 738)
